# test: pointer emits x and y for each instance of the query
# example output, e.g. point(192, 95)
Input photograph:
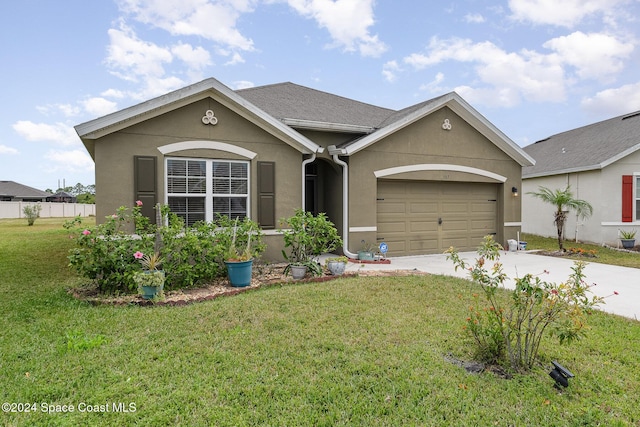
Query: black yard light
point(560, 374)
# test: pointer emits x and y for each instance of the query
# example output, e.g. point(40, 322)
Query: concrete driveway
point(606, 279)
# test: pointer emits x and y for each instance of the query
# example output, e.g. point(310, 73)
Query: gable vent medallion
point(209, 118)
point(446, 125)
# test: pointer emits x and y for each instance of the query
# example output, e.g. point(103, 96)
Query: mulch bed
point(264, 275)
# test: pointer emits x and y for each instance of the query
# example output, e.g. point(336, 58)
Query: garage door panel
point(431, 208)
point(392, 227)
point(408, 214)
point(422, 226)
point(397, 207)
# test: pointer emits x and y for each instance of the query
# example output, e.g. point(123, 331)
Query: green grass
point(604, 255)
point(353, 351)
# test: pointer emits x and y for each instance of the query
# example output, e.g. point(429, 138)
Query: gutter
point(335, 152)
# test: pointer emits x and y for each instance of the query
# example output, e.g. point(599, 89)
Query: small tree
point(513, 328)
point(31, 212)
point(564, 201)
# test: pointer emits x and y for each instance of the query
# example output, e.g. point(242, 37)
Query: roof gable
point(590, 147)
point(14, 189)
point(97, 128)
point(409, 115)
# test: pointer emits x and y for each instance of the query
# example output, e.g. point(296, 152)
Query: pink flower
point(114, 216)
point(138, 255)
point(616, 293)
point(86, 232)
point(138, 203)
point(554, 291)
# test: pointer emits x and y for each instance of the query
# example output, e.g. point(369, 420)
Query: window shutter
point(627, 198)
point(267, 195)
point(145, 188)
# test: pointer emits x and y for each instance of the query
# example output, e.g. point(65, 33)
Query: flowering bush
point(110, 256)
point(515, 330)
point(104, 252)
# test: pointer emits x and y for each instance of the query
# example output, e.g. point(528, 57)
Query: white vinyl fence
point(49, 209)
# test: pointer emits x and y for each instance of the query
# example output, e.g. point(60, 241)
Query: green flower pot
point(239, 272)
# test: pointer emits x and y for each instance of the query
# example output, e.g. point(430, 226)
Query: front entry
point(428, 217)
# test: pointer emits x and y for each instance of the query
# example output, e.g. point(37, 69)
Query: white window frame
point(208, 194)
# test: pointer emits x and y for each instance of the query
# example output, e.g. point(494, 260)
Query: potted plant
point(307, 237)
point(336, 265)
point(367, 251)
point(245, 245)
point(150, 280)
point(628, 238)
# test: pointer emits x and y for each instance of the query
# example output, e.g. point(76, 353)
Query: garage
point(428, 217)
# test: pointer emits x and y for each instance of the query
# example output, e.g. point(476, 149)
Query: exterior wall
point(49, 209)
point(601, 188)
point(425, 142)
point(114, 156)
point(538, 216)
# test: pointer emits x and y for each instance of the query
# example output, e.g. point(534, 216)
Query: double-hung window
point(200, 189)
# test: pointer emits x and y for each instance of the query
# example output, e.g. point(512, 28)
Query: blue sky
point(533, 68)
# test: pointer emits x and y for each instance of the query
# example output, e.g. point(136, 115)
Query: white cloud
point(508, 77)
point(196, 58)
point(7, 150)
point(59, 133)
point(595, 55)
point(347, 21)
point(67, 110)
point(474, 18)
point(236, 58)
point(69, 161)
point(212, 20)
point(242, 84)
point(99, 106)
point(390, 71)
point(616, 101)
point(434, 85)
point(564, 13)
point(113, 93)
point(131, 58)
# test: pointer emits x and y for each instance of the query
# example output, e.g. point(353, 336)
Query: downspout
point(335, 152)
point(304, 178)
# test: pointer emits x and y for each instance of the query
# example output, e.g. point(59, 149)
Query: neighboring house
point(11, 191)
point(601, 163)
point(61, 197)
point(422, 179)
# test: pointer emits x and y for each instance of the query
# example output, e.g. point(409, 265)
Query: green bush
point(104, 253)
point(31, 212)
point(514, 330)
point(307, 237)
point(191, 255)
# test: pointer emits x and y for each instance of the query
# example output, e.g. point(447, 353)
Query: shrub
point(32, 212)
point(191, 255)
point(307, 237)
point(104, 253)
point(514, 330)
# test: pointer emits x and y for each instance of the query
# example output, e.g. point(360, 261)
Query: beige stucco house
point(422, 179)
point(601, 163)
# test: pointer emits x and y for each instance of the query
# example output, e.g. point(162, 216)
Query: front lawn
point(352, 351)
point(604, 255)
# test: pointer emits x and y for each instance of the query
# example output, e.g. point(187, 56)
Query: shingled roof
point(291, 101)
point(591, 147)
point(12, 189)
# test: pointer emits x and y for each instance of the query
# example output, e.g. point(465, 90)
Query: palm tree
point(563, 201)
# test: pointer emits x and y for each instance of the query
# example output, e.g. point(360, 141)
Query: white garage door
point(427, 217)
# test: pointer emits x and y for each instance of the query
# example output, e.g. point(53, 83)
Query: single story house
point(601, 164)
point(11, 191)
point(422, 179)
point(61, 197)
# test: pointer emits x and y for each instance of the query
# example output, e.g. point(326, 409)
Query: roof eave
point(562, 171)
point(102, 126)
point(464, 110)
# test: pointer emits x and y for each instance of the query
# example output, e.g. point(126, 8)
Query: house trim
point(438, 167)
point(466, 112)
point(362, 229)
point(207, 145)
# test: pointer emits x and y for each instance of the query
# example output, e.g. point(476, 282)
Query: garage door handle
point(439, 221)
